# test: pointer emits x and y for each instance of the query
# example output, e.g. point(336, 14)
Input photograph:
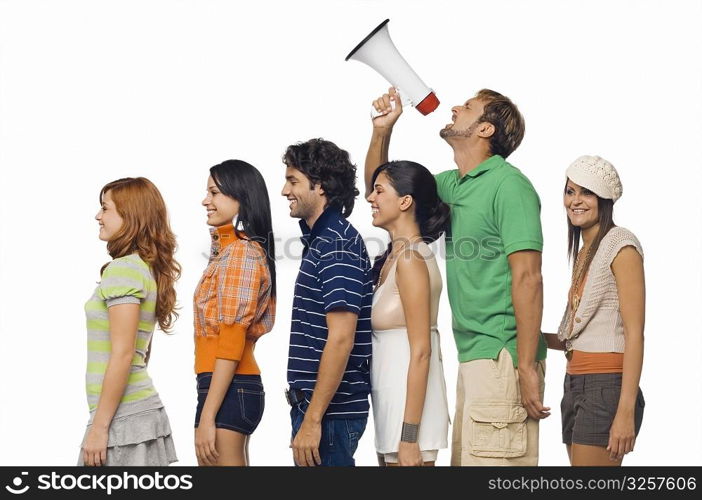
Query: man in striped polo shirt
point(330, 335)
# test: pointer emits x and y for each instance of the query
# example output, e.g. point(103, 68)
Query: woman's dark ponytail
point(436, 223)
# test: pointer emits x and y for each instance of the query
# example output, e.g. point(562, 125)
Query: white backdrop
point(91, 91)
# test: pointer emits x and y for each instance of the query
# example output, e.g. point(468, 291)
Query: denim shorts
point(589, 405)
point(242, 407)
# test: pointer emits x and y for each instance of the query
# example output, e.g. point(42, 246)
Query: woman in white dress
point(410, 408)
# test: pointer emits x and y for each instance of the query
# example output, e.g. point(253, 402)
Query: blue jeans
point(339, 437)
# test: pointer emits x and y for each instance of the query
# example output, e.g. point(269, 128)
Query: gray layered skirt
point(141, 439)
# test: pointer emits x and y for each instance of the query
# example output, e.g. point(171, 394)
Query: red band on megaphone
point(428, 104)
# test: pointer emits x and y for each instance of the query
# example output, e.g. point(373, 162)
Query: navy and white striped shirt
point(334, 275)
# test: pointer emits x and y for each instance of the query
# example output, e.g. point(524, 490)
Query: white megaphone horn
point(377, 51)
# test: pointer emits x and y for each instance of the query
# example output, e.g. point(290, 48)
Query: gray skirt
point(142, 439)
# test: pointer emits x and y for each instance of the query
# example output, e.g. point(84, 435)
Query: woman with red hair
point(128, 425)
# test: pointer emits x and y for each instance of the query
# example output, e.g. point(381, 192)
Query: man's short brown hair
point(503, 114)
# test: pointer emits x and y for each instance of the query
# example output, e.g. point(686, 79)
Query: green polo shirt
point(494, 212)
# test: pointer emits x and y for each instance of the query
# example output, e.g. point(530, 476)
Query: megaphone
point(377, 51)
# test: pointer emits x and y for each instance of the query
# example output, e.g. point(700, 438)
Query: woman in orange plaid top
point(234, 305)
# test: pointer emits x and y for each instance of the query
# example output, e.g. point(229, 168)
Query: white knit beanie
point(596, 174)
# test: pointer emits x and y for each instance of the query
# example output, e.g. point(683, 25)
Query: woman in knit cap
point(602, 328)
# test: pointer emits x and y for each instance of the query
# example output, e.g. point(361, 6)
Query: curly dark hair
point(325, 163)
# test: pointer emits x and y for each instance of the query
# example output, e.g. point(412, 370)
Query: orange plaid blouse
point(233, 303)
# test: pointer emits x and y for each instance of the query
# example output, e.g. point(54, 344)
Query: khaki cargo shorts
point(491, 427)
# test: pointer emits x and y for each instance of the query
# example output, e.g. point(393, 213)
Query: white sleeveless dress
point(390, 362)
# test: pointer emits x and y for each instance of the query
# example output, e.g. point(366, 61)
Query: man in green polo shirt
point(493, 268)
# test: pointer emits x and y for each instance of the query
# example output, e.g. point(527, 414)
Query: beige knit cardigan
point(598, 325)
